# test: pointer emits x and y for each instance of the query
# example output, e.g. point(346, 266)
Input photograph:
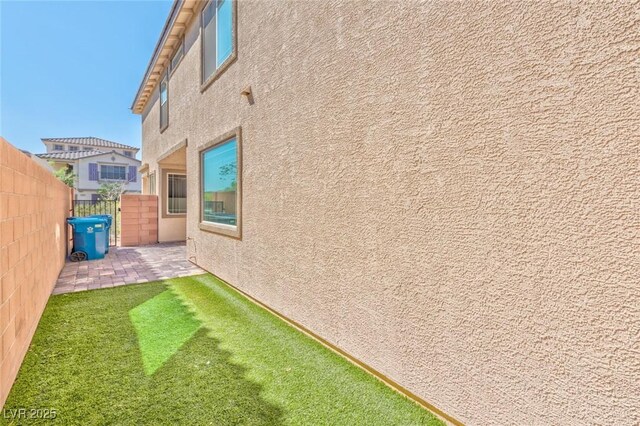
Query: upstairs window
point(164, 104)
point(217, 36)
point(58, 147)
point(87, 148)
point(128, 153)
point(73, 148)
point(109, 172)
point(177, 57)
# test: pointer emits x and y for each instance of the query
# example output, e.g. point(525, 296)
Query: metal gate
point(83, 208)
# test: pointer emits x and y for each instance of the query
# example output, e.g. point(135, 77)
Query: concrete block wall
point(34, 206)
point(139, 219)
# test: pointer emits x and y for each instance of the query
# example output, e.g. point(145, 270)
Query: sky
point(216, 160)
point(72, 68)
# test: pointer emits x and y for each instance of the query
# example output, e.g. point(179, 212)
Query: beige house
point(445, 191)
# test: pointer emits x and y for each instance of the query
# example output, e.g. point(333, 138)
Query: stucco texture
point(448, 191)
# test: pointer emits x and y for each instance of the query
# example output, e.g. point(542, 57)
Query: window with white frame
point(176, 193)
point(127, 153)
point(112, 172)
point(73, 148)
point(58, 147)
point(217, 36)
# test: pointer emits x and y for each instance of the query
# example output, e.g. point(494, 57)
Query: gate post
point(139, 219)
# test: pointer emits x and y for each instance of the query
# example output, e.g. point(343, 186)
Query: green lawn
point(192, 351)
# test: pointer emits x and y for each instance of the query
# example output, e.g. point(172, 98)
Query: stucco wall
point(33, 245)
point(448, 191)
point(170, 228)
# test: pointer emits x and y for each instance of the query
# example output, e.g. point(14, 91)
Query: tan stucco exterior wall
point(448, 191)
point(34, 206)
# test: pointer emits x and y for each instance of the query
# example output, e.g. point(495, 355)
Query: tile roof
point(70, 155)
point(91, 141)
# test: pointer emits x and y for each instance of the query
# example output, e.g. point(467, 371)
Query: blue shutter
point(133, 174)
point(93, 171)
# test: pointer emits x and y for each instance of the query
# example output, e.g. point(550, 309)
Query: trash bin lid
point(85, 220)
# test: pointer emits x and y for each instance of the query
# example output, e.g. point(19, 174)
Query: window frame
point(128, 154)
point(58, 147)
point(164, 80)
point(100, 175)
point(180, 50)
point(233, 231)
point(205, 82)
point(152, 182)
point(164, 192)
point(74, 148)
point(184, 174)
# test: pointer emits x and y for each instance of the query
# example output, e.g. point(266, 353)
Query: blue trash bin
point(109, 220)
point(89, 234)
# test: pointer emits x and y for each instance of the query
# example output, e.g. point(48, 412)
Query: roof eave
point(166, 30)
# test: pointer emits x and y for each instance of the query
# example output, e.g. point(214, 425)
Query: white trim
point(167, 198)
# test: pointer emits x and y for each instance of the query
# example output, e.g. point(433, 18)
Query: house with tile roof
point(95, 161)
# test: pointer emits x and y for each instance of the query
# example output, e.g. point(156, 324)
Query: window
point(73, 148)
point(128, 153)
point(87, 148)
point(164, 104)
point(177, 57)
point(108, 172)
point(176, 193)
point(152, 183)
point(217, 36)
point(220, 186)
point(58, 148)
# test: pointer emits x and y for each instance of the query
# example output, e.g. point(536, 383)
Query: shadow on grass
point(162, 325)
point(85, 363)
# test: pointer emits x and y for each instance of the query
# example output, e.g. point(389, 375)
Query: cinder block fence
point(34, 206)
point(139, 216)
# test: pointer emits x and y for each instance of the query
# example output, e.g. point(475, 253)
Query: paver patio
point(127, 265)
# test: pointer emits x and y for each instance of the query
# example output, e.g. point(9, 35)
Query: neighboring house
point(443, 190)
point(41, 161)
point(94, 161)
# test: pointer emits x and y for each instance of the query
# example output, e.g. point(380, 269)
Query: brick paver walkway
point(127, 265)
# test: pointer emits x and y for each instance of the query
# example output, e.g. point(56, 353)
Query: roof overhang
point(180, 15)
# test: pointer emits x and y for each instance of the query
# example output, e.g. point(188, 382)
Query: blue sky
point(72, 68)
point(214, 160)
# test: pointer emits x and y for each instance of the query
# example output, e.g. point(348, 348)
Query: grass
point(192, 351)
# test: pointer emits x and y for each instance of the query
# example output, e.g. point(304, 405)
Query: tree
point(111, 190)
point(230, 169)
point(66, 176)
